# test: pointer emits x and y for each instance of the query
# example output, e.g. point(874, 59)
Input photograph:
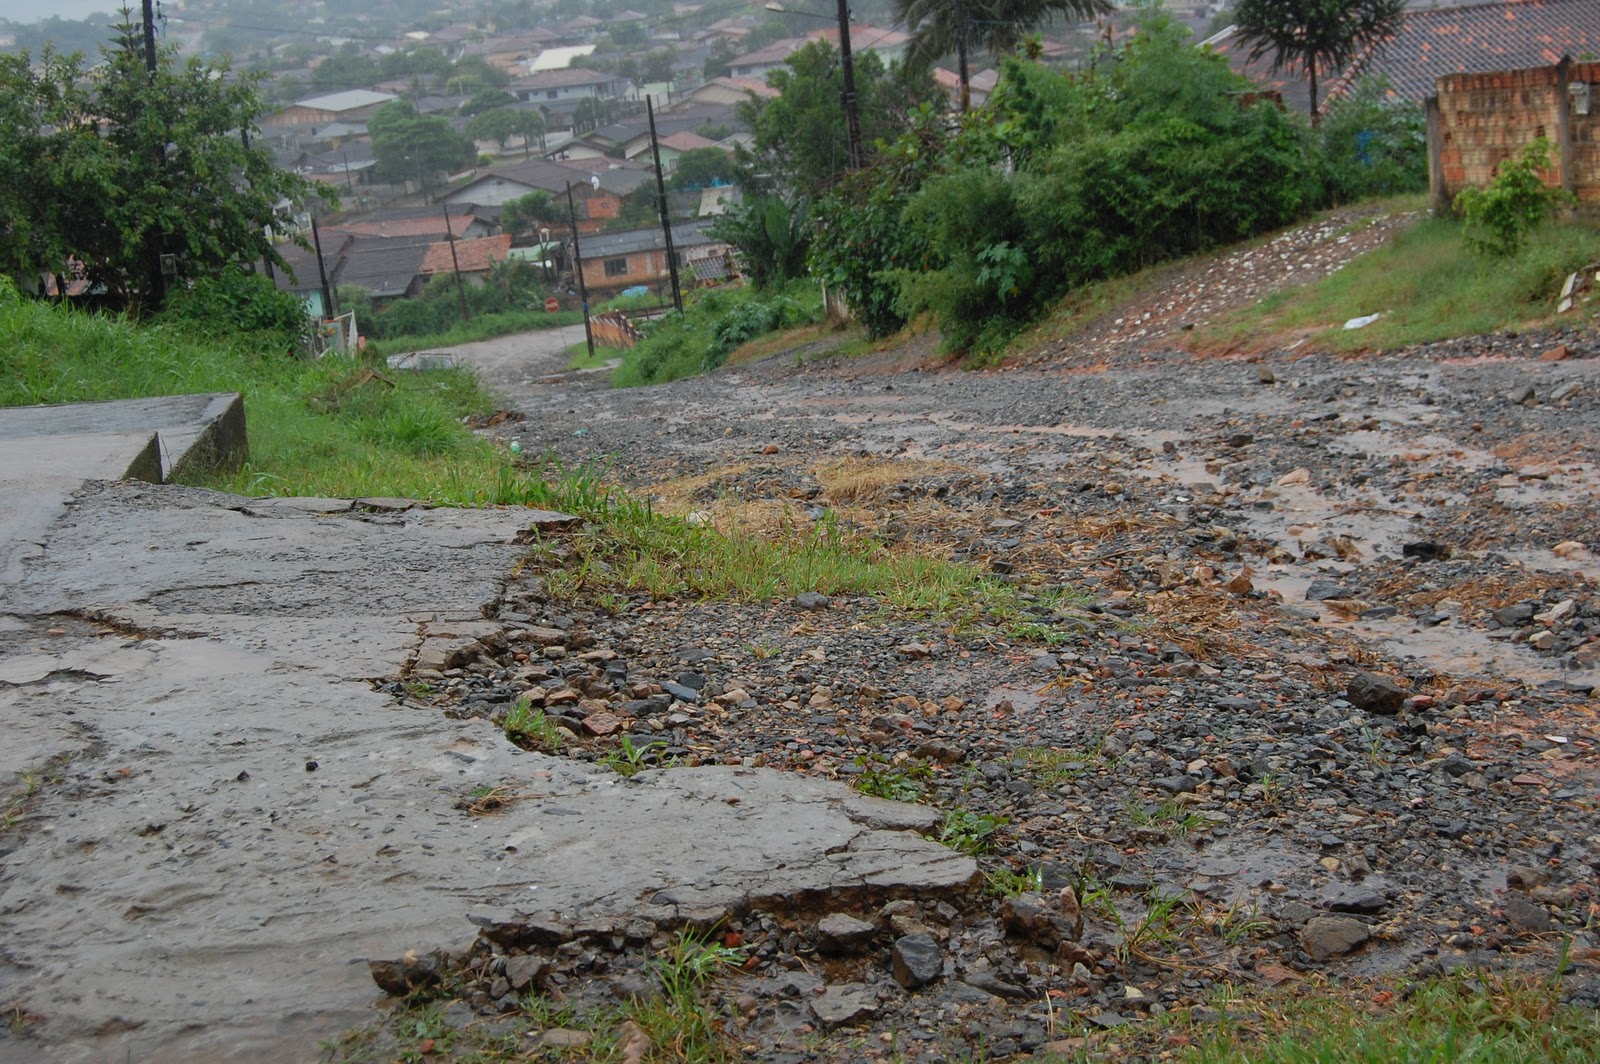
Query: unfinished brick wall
point(1477, 121)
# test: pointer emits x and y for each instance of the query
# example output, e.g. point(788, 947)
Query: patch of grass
point(1478, 1017)
point(1426, 284)
point(968, 832)
point(1052, 765)
point(531, 728)
point(897, 783)
point(315, 428)
point(1166, 816)
point(1008, 883)
point(714, 323)
point(627, 547)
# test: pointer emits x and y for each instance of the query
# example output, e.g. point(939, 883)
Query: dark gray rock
point(1376, 694)
point(840, 1006)
point(843, 933)
point(1321, 590)
point(1354, 899)
point(1333, 936)
point(812, 600)
point(1526, 915)
point(917, 961)
point(1515, 615)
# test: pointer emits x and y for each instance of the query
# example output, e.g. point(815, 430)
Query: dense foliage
point(799, 137)
point(129, 179)
point(1063, 180)
point(772, 237)
point(1371, 145)
point(513, 285)
point(409, 145)
point(714, 322)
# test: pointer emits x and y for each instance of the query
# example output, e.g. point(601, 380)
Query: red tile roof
point(1473, 38)
point(475, 256)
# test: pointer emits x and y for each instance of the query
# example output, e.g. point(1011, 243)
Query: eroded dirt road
point(1324, 671)
point(1332, 684)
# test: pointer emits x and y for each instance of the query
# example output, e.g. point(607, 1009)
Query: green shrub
point(1148, 159)
point(713, 324)
point(1500, 217)
point(1372, 145)
point(236, 301)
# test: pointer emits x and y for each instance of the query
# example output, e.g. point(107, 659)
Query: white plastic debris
point(1362, 322)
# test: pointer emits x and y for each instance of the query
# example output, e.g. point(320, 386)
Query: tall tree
point(502, 123)
point(942, 27)
point(800, 135)
point(523, 215)
point(408, 145)
point(1316, 34)
point(137, 177)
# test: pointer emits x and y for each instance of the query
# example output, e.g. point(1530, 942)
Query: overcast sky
point(36, 10)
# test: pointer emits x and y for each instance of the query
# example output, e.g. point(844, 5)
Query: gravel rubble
point(1322, 700)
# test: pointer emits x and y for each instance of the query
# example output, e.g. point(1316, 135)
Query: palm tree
point(939, 27)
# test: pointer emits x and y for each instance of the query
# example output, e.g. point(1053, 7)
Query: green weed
point(969, 832)
point(906, 782)
point(532, 729)
point(1478, 1017)
point(629, 759)
point(1427, 284)
point(1008, 883)
point(1052, 765)
point(1166, 816)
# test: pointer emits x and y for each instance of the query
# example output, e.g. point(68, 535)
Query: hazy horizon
point(72, 10)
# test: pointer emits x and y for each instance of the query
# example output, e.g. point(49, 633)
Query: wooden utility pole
point(852, 116)
point(577, 270)
point(455, 263)
point(666, 215)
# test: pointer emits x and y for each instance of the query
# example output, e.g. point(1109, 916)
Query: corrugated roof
point(685, 235)
point(384, 267)
point(350, 100)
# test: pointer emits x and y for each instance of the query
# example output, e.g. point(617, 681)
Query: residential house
point(559, 58)
point(570, 84)
point(386, 268)
point(890, 44)
point(510, 51)
point(592, 205)
point(758, 64)
point(614, 261)
point(1432, 42)
point(723, 93)
point(471, 259)
point(353, 106)
point(675, 144)
point(416, 223)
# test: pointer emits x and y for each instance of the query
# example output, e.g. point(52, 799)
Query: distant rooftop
point(349, 100)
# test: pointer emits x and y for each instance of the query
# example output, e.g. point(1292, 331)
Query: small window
point(550, 94)
point(616, 267)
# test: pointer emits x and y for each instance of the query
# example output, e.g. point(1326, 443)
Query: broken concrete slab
point(245, 820)
point(195, 432)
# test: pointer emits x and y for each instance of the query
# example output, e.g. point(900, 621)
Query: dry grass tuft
point(865, 480)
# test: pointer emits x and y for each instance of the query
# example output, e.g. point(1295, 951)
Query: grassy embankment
point(1425, 284)
point(330, 428)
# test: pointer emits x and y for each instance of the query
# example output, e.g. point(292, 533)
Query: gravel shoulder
point(1330, 681)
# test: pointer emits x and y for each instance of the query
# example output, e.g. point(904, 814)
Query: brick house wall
point(1477, 121)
